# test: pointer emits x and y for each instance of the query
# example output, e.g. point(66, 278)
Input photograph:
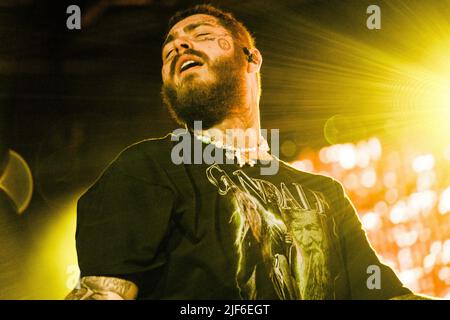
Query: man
point(150, 228)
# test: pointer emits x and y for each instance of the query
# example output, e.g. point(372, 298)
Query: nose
point(182, 44)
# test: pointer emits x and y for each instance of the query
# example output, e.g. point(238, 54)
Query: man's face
point(307, 231)
point(203, 34)
point(203, 76)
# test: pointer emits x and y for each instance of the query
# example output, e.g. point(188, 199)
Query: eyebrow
point(188, 28)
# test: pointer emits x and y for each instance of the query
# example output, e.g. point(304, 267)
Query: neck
point(242, 129)
point(241, 136)
point(237, 132)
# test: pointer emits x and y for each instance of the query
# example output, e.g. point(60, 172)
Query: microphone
point(249, 55)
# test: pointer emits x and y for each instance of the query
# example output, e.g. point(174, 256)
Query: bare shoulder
point(104, 288)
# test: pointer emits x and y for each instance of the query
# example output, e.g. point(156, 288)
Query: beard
point(210, 102)
point(315, 275)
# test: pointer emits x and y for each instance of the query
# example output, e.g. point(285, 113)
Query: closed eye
point(168, 53)
point(202, 34)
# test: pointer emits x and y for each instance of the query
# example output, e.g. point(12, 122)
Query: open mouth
point(189, 64)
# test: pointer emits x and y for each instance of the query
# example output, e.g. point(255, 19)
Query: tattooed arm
point(104, 288)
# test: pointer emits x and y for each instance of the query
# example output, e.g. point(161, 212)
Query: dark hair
point(240, 33)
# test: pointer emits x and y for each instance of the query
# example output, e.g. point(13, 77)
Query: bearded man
point(153, 228)
point(311, 241)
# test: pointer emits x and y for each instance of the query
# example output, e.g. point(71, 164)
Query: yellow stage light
point(53, 267)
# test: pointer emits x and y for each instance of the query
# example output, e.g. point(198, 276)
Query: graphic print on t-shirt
point(283, 237)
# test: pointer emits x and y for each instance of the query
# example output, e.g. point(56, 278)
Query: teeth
point(186, 63)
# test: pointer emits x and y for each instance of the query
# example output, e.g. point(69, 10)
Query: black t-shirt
point(219, 231)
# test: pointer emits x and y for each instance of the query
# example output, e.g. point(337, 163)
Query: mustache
point(192, 52)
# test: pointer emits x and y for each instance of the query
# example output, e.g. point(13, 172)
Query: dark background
point(72, 99)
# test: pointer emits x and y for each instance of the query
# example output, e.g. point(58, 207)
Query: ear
point(254, 65)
